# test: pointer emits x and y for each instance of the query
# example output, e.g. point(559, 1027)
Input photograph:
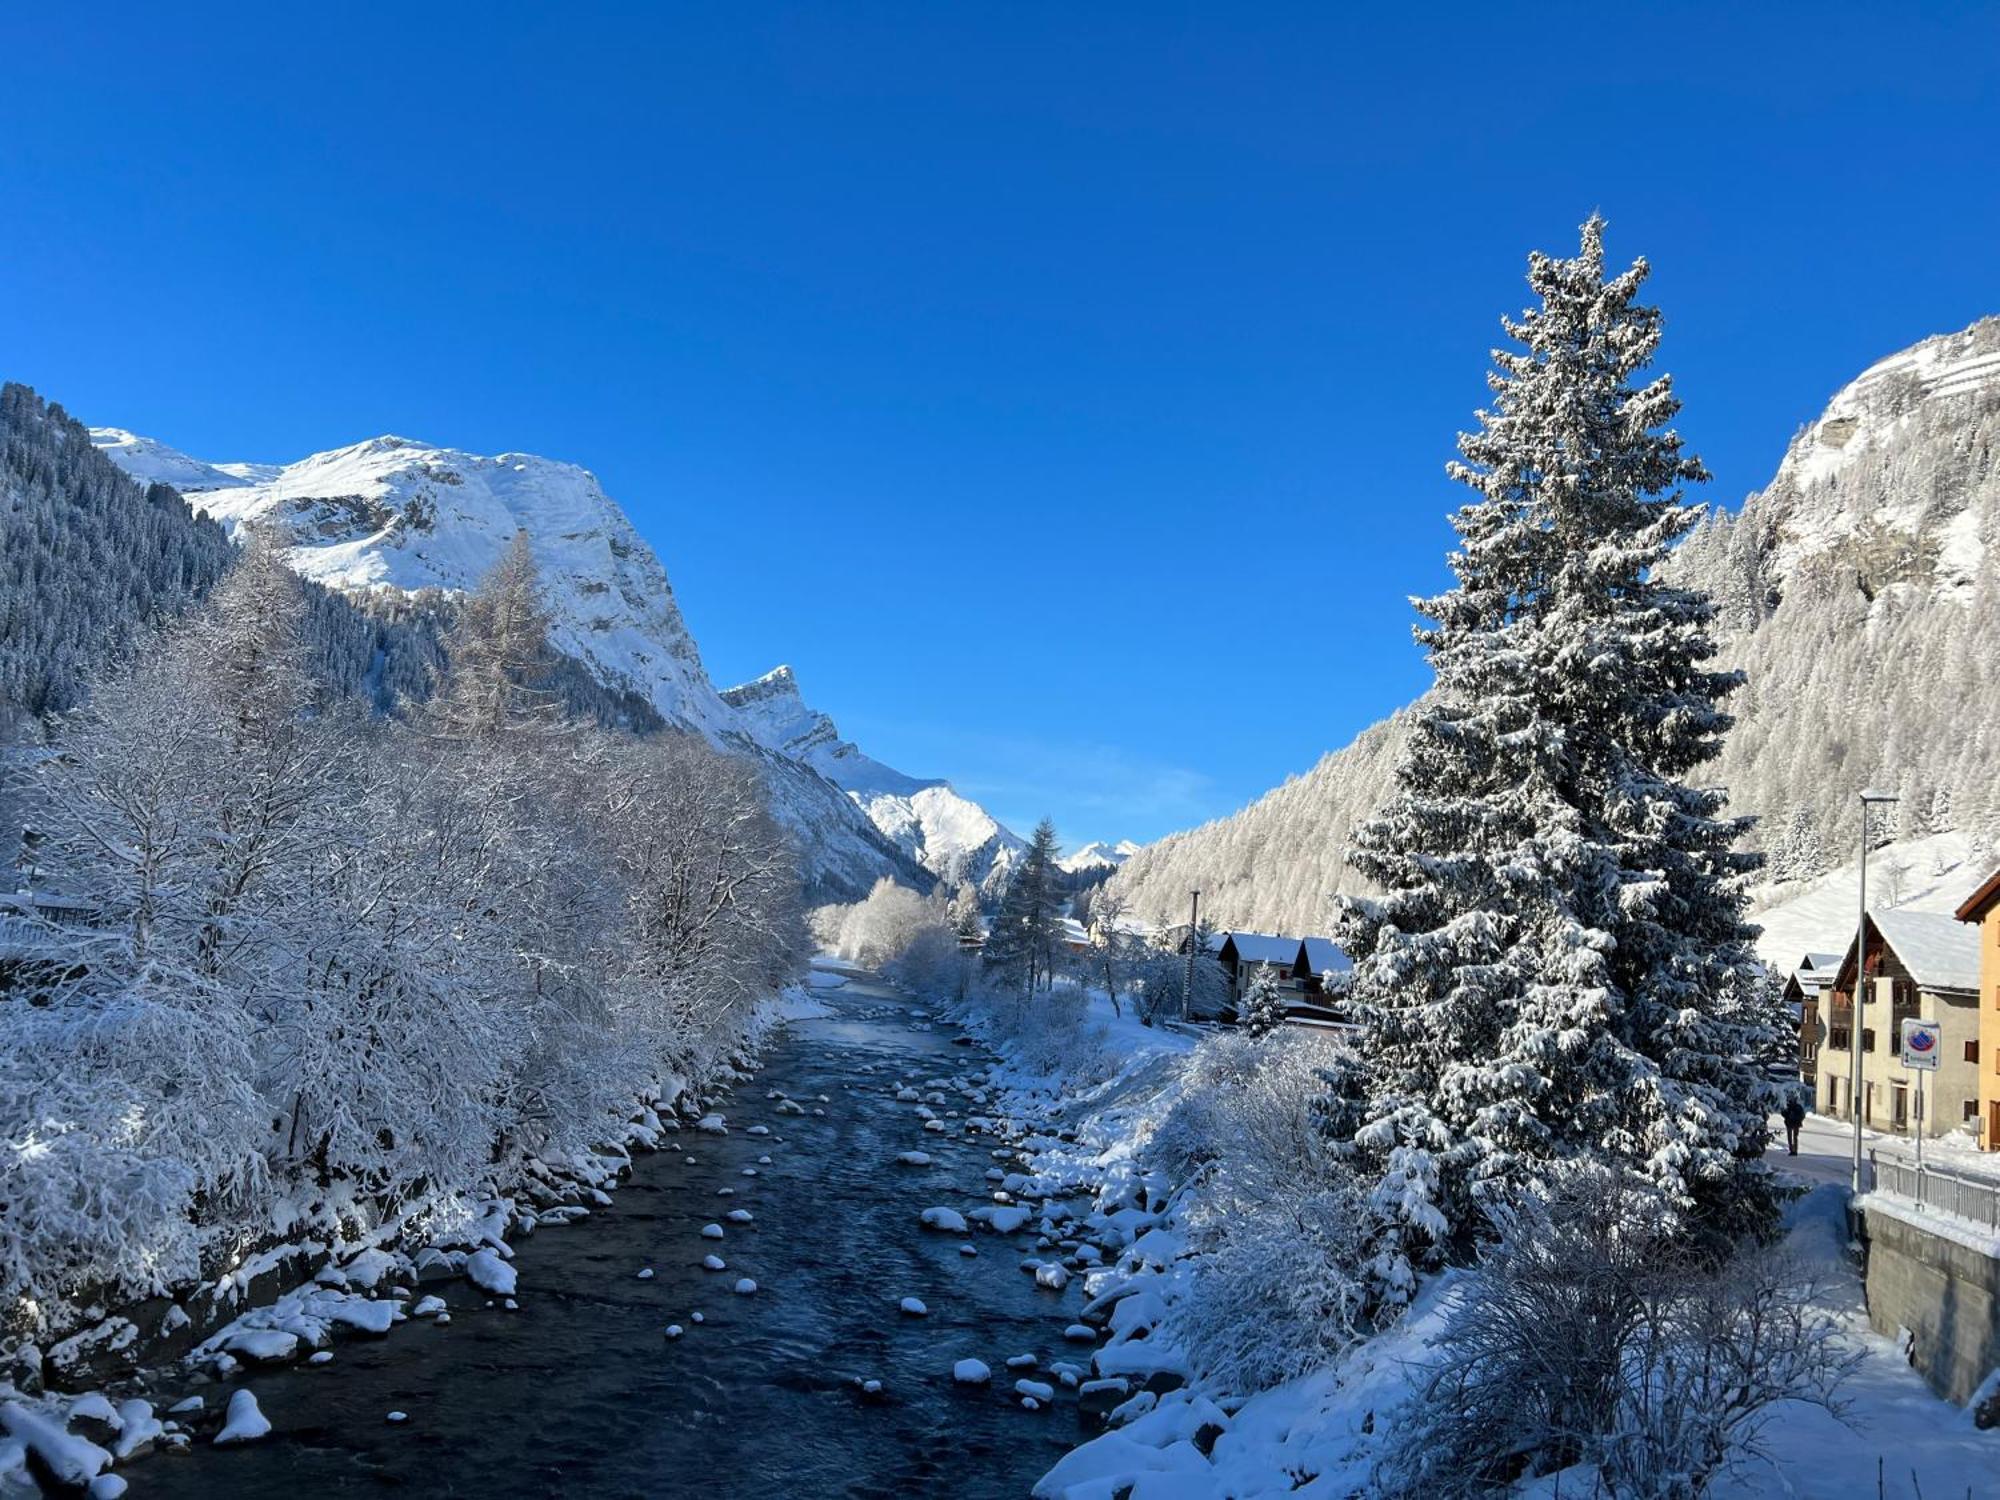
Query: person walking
point(1795, 1116)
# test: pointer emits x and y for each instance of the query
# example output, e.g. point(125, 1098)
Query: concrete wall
point(1945, 1293)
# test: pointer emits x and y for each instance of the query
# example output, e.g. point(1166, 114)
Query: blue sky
point(1063, 390)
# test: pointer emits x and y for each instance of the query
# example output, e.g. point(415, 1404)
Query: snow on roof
point(1821, 961)
point(1265, 948)
point(1324, 955)
point(1939, 951)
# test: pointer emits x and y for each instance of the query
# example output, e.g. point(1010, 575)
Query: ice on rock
point(187, 1404)
point(713, 1124)
point(674, 1330)
point(739, 1216)
point(1036, 1390)
point(1080, 1333)
point(645, 1273)
point(950, 1220)
point(711, 1231)
point(397, 1417)
point(913, 1158)
point(871, 1387)
point(243, 1422)
point(1021, 1362)
point(1052, 1274)
point(971, 1372)
point(763, 1161)
point(427, 1307)
point(745, 1287)
point(968, 1251)
point(758, 1130)
point(107, 1487)
point(487, 1271)
point(714, 1263)
point(913, 1307)
point(749, 1172)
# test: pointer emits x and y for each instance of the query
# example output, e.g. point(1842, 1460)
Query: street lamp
point(1854, 1033)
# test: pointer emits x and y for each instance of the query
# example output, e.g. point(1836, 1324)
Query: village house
point(1982, 910)
point(1803, 988)
point(1917, 966)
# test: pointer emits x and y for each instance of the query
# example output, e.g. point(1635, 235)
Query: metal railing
point(1938, 1189)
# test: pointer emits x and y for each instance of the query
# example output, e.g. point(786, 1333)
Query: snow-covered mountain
point(1859, 592)
point(153, 462)
point(1098, 855)
point(953, 837)
point(398, 515)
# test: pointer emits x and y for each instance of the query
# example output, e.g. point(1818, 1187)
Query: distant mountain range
point(395, 518)
point(1860, 592)
point(1099, 856)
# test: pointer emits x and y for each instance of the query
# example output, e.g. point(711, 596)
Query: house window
point(1837, 1037)
point(1971, 1109)
point(1972, 1051)
point(1868, 1039)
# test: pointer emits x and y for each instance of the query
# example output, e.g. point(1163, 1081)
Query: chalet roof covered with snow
point(1264, 948)
point(1940, 951)
point(1324, 955)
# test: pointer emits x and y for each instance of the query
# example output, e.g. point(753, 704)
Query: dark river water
point(580, 1392)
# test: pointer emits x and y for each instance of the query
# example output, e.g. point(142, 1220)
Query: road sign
point(1922, 1043)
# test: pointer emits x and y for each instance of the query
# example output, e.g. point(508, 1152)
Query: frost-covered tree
point(1560, 968)
point(501, 665)
point(1026, 934)
point(1262, 1010)
point(1800, 853)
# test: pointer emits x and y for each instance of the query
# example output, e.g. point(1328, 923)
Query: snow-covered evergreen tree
point(1801, 852)
point(1262, 1010)
point(1560, 967)
point(1027, 931)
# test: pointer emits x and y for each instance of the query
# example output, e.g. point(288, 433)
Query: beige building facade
point(1918, 966)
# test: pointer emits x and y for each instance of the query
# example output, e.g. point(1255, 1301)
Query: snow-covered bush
point(882, 926)
point(1590, 1334)
point(1273, 1217)
point(932, 964)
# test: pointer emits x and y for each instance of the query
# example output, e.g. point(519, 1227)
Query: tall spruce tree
point(1027, 930)
point(1561, 967)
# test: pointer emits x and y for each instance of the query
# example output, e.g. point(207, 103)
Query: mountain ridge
point(1854, 590)
point(392, 515)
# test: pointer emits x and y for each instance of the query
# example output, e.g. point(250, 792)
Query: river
point(580, 1392)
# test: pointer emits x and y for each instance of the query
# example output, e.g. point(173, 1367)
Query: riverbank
point(580, 1389)
point(1148, 1123)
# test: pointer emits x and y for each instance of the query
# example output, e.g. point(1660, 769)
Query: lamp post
point(1854, 1032)
point(1187, 984)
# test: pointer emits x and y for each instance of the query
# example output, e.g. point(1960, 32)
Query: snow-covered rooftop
point(1324, 955)
point(1265, 948)
point(1940, 951)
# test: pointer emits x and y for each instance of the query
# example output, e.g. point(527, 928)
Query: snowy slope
point(152, 462)
point(394, 514)
point(952, 836)
point(1098, 855)
point(1932, 874)
point(1879, 410)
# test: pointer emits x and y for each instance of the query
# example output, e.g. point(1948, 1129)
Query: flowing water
point(579, 1392)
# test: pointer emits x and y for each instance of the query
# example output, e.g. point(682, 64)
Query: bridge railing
point(1940, 1189)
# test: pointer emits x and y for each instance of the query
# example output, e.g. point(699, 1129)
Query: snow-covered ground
point(1321, 1435)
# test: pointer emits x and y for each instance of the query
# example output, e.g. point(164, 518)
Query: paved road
point(1826, 1149)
